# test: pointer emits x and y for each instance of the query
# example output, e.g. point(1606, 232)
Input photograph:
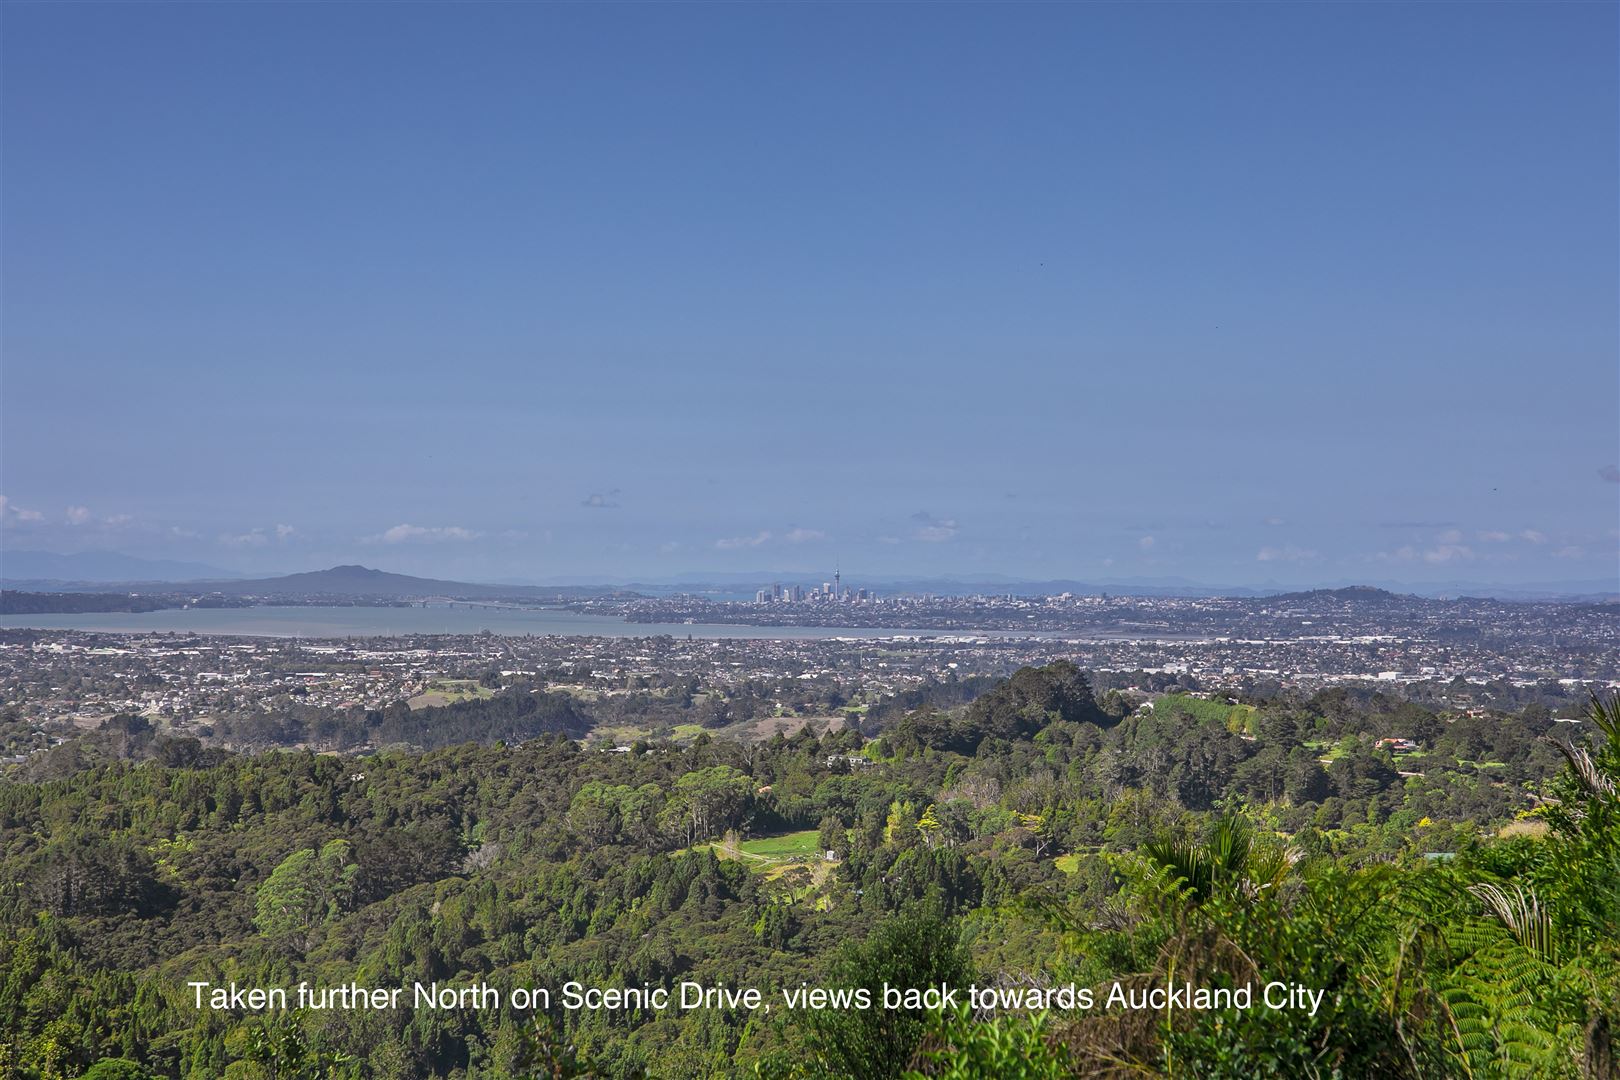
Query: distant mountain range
point(340, 582)
point(354, 580)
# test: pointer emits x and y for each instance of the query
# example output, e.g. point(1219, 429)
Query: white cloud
point(1492, 536)
point(255, 537)
point(1146, 543)
point(1570, 551)
point(601, 500)
point(424, 534)
point(11, 512)
point(1533, 537)
point(804, 536)
point(1275, 521)
point(933, 530)
point(1286, 553)
point(1450, 536)
point(78, 515)
point(1448, 553)
point(732, 543)
point(118, 520)
point(252, 538)
point(669, 545)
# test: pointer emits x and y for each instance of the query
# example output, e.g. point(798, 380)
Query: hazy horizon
point(1230, 294)
point(122, 569)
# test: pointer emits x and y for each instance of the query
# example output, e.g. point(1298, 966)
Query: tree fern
point(1501, 1023)
point(1521, 915)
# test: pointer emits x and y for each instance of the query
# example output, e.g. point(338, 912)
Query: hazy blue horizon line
point(739, 579)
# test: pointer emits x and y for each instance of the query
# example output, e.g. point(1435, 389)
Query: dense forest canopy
point(1447, 884)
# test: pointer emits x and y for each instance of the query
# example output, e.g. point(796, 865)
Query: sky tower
point(838, 583)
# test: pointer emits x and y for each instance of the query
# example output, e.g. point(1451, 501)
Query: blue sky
point(1292, 293)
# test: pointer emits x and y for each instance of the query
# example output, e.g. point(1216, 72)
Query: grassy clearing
point(450, 691)
point(788, 725)
point(1238, 719)
point(1535, 829)
point(792, 860)
point(794, 856)
point(789, 847)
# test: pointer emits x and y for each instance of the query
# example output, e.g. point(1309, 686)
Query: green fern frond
point(1521, 913)
point(1606, 716)
point(1595, 781)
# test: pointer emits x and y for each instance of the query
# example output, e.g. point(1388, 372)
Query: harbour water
point(328, 622)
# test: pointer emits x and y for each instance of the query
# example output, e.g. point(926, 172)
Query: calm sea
point(318, 622)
